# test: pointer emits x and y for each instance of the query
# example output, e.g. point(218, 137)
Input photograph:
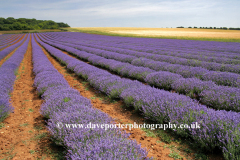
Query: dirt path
point(116, 110)
point(23, 134)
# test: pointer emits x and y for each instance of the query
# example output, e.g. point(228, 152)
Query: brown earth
point(15, 136)
point(24, 136)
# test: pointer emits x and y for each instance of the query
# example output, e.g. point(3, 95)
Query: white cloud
point(131, 8)
point(170, 12)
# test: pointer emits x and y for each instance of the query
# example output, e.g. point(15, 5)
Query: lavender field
point(166, 80)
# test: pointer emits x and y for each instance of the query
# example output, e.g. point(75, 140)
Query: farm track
point(24, 135)
point(13, 43)
point(116, 110)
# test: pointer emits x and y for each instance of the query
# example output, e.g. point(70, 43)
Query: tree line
point(10, 23)
point(231, 28)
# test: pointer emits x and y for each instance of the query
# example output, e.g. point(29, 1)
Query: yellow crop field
point(178, 33)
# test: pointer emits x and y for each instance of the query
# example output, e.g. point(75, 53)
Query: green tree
point(10, 20)
point(5, 27)
point(61, 24)
point(29, 24)
point(36, 27)
point(17, 26)
point(2, 20)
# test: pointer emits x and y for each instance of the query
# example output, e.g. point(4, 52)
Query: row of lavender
point(169, 52)
point(218, 128)
point(5, 36)
point(8, 74)
point(11, 42)
point(65, 105)
point(7, 40)
point(9, 49)
point(223, 64)
point(219, 64)
point(220, 78)
point(218, 97)
point(185, 58)
point(207, 48)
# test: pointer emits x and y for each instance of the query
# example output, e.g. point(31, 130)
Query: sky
point(128, 13)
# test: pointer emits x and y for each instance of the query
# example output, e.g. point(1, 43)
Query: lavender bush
point(162, 79)
point(8, 75)
point(185, 71)
point(202, 49)
point(8, 42)
point(9, 49)
point(64, 104)
point(165, 80)
point(219, 128)
point(166, 58)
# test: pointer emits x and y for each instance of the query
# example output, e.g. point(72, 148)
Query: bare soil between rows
point(24, 135)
